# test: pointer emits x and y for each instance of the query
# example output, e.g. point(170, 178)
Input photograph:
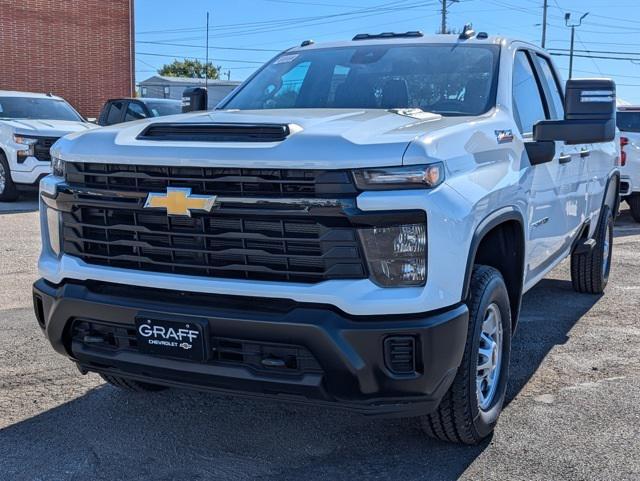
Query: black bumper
point(346, 364)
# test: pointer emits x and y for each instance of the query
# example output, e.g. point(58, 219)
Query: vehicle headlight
point(391, 178)
point(57, 167)
point(396, 255)
point(29, 142)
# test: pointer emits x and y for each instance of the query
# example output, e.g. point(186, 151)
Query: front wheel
point(8, 190)
point(470, 409)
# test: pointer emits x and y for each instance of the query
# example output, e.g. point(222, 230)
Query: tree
point(189, 68)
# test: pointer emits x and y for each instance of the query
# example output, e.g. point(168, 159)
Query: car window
point(553, 87)
point(628, 121)
point(37, 108)
point(134, 112)
point(115, 112)
point(527, 101)
point(446, 79)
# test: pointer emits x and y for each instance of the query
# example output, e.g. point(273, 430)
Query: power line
point(239, 49)
point(257, 62)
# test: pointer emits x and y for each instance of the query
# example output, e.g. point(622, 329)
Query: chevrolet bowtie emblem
point(179, 201)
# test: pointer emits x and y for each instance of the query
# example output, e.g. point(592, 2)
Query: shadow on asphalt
point(108, 434)
point(27, 202)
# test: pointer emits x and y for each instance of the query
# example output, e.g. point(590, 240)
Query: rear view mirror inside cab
point(590, 114)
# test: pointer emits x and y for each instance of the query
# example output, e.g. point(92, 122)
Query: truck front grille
point(212, 180)
point(277, 242)
point(42, 148)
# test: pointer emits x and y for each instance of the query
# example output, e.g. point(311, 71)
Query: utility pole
point(544, 22)
point(443, 14)
point(206, 66)
point(567, 17)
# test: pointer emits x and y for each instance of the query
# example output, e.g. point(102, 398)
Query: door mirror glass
point(589, 114)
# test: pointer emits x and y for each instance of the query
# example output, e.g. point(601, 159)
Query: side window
point(135, 111)
point(552, 86)
point(115, 113)
point(527, 101)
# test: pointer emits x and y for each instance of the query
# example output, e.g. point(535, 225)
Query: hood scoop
point(215, 132)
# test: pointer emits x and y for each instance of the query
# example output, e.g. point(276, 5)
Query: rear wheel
point(634, 203)
point(469, 411)
point(8, 190)
point(590, 270)
point(130, 384)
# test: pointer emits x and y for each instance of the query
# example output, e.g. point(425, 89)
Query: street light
point(567, 17)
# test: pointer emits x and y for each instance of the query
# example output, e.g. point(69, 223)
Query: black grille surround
point(105, 222)
point(212, 180)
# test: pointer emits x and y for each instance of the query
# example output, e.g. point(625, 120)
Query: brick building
point(82, 50)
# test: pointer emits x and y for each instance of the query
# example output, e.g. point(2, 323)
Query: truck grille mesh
point(234, 241)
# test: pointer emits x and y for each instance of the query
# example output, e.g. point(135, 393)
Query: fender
point(494, 219)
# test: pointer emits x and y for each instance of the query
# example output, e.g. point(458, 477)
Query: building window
point(166, 92)
point(144, 91)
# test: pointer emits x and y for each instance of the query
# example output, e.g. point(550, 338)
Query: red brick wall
point(78, 49)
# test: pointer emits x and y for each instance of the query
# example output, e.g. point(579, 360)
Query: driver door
point(552, 209)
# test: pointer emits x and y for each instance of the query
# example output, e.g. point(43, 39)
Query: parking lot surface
point(572, 413)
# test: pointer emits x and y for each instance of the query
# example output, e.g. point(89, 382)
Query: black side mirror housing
point(540, 152)
point(194, 99)
point(589, 114)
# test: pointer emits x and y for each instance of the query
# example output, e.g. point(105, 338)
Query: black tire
point(459, 417)
point(131, 385)
point(8, 192)
point(634, 203)
point(590, 270)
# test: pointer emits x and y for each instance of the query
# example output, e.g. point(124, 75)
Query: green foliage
point(189, 68)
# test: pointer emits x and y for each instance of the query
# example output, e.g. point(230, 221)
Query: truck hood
point(320, 138)
point(47, 128)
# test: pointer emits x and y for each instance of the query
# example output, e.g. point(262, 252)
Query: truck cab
point(354, 226)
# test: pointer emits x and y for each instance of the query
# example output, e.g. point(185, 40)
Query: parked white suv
point(355, 226)
point(628, 120)
point(29, 125)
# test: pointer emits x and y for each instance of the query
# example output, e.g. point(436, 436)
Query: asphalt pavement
point(573, 402)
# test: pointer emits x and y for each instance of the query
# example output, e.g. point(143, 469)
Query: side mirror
point(92, 120)
point(589, 114)
point(540, 152)
point(194, 99)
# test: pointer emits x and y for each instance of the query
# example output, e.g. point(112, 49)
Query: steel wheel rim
point(606, 255)
point(3, 179)
point(489, 357)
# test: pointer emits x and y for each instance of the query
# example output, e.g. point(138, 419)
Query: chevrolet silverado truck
point(355, 227)
point(628, 120)
point(29, 125)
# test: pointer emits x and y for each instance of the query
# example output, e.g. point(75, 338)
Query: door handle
point(565, 158)
point(585, 153)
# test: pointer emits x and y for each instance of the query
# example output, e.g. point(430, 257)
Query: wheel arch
point(499, 242)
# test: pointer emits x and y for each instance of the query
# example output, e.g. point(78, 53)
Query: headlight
point(29, 142)
point(57, 167)
point(20, 139)
point(396, 255)
point(390, 178)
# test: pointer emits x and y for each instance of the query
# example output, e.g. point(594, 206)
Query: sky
point(243, 34)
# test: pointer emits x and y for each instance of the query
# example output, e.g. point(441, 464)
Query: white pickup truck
point(355, 226)
point(628, 120)
point(29, 125)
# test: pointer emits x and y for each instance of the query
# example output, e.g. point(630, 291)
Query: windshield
point(37, 108)
point(445, 79)
point(159, 109)
point(629, 121)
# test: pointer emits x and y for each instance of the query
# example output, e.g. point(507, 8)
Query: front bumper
point(352, 367)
